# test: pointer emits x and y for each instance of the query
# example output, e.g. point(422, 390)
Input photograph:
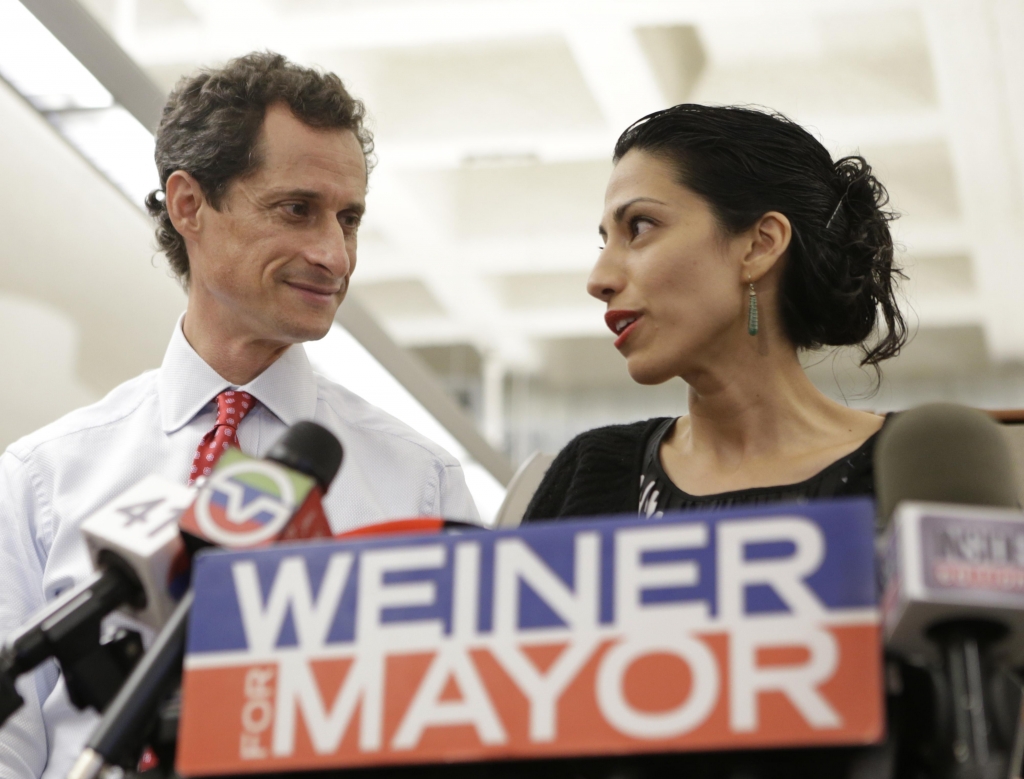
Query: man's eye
point(297, 209)
point(349, 221)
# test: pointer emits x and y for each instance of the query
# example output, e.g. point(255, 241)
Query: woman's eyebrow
point(617, 216)
point(621, 210)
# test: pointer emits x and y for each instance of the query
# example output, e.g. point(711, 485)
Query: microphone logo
point(245, 504)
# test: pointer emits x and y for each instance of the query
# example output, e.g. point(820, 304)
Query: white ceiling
point(495, 121)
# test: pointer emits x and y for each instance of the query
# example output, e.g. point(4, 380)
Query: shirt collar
point(186, 383)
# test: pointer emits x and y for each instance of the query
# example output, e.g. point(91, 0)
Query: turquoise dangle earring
point(752, 311)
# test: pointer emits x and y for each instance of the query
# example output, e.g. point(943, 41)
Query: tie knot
point(232, 406)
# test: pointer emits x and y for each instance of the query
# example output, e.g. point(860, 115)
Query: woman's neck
point(759, 419)
point(746, 404)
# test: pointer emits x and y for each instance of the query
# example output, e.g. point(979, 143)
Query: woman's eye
point(639, 225)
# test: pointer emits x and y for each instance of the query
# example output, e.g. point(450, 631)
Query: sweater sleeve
point(548, 502)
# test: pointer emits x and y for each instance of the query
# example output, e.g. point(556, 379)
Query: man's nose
point(334, 250)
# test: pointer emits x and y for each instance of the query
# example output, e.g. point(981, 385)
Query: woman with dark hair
point(732, 241)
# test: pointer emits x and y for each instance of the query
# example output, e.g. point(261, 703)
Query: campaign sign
point(696, 631)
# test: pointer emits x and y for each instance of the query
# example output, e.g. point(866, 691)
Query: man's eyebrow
point(356, 207)
point(621, 210)
point(304, 194)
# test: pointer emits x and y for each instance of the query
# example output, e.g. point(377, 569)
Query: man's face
point(273, 262)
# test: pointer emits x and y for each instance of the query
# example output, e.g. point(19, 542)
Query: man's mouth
point(327, 291)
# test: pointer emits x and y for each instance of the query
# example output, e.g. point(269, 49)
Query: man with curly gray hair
point(263, 169)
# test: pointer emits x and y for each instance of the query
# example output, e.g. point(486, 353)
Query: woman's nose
point(605, 281)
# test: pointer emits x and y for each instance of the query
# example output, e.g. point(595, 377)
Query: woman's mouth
point(622, 323)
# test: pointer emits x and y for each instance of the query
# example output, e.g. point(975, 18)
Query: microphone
point(249, 503)
point(133, 542)
point(141, 544)
point(954, 578)
point(945, 453)
point(245, 503)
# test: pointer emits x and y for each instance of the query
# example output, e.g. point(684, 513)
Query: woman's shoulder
point(607, 450)
point(597, 472)
point(614, 436)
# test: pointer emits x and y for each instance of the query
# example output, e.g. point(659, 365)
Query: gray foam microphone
point(943, 453)
point(954, 579)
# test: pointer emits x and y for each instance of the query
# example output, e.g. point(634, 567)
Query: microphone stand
point(978, 704)
point(69, 630)
point(121, 733)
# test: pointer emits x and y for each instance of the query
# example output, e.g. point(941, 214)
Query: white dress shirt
point(54, 478)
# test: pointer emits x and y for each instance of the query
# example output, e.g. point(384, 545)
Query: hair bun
point(860, 229)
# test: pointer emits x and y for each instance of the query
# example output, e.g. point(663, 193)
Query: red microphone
point(248, 502)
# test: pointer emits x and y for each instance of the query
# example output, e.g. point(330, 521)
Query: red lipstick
point(622, 323)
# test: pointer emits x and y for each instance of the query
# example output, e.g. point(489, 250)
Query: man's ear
point(770, 237)
point(184, 198)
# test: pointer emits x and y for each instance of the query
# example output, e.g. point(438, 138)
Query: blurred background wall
point(495, 121)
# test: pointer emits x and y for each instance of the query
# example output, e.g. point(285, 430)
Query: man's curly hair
point(211, 125)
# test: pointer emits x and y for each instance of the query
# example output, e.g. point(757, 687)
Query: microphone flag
point(141, 527)
point(698, 631)
point(945, 561)
point(248, 502)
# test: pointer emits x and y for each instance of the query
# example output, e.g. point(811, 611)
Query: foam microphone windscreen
point(311, 449)
point(944, 453)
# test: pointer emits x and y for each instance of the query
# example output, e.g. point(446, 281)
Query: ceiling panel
point(529, 291)
point(398, 299)
point(939, 275)
point(919, 178)
point(515, 200)
point(676, 56)
point(437, 92)
point(580, 363)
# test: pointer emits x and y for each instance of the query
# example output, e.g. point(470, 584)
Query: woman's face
point(671, 279)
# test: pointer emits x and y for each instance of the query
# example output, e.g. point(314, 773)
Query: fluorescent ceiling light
point(38, 66)
point(49, 76)
point(342, 359)
point(117, 144)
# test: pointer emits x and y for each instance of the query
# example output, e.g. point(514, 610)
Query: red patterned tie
point(232, 406)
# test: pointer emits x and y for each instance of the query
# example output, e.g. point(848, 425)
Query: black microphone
point(306, 449)
point(954, 579)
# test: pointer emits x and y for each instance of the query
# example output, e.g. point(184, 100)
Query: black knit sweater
point(599, 471)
